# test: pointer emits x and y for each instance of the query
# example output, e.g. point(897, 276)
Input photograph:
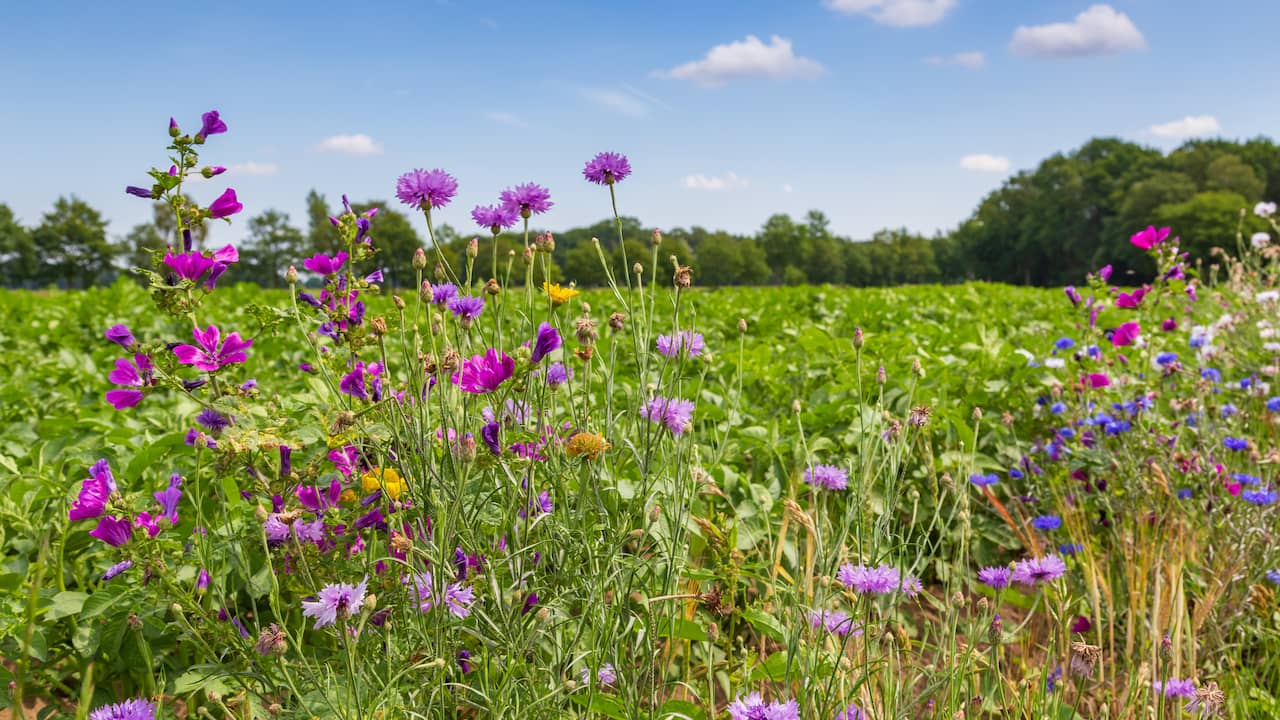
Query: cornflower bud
point(742, 325)
point(291, 275)
point(399, 302)
point(616, 321)
point(858, 340)
point(492, 287)
point(657, 237)
point(473, 248)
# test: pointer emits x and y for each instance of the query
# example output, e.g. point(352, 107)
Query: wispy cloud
point(982, 162)
point(1189, 126)
point(899, 13)
point(618, 101)
point(358, 144)
point(727, 181)
point(973, 60)
point(1099, 30)
point(506, 118)
point(253, 168)
point(746, 59)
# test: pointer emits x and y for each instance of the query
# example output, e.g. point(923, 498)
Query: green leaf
point(774, 668)
point(683, 629)
point(681, 710)
point(606, 705)
point(764, 622)
point(86, 639)
point(100, 601)
point(66, 603)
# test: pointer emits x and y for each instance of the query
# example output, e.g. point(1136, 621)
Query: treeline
point(1047, 226)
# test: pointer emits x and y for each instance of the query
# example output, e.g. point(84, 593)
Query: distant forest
point(1047, 226)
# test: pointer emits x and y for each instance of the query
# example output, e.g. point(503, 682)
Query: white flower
point(1260, 240)
point(1264, 209)
point(1267, 333)
point(1271, 346)
point(1267, 296)
point(1055, 363)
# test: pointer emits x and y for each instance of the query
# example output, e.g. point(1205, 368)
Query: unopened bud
point(439, 272)
point(795, 407)
point(917, 368)
point(657, 237)
point(638, 269)
point(492, 287)
point(858, 340)
point(399, 302)
point(419, 259)
point(616, 321)
point(424, 292)
point(291, 275)
point(473, 248)
point(528, 255)
point(378, 326)
point(742, 325)
point(881, 377)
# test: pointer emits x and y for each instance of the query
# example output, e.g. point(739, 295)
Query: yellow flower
point(385, 479)
point(348, 497)
point(588, 445)
point(559, 295)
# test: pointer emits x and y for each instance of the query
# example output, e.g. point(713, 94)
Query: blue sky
point(882, 113)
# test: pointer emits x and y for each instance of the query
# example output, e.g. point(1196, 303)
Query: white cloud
point(899, 13)
point(358, 144)
point(973, 60)
point(1189, 126)
point(1099, 30)
point(746, 58)
point(506, 118)
point(982, 162)
point(727, 181)
point(786, 187)
point(619, 101)
point(253, 168)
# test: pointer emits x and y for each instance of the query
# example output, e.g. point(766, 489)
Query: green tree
point(1229, 173)
point(396, 241)
point(71, 244)
point(1204, 222)
point(273, 245)
point(19, 263)
point(321, 237)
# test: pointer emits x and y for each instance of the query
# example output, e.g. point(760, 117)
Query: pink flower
point(324, 265)
point(1149, 238)
point(484, 373)
point(1125, 334)
point(226, 205)
point(1096, 380)
point(1126, 300)
point(211, 355)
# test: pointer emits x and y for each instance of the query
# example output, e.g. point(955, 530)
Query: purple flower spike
point(426, 189)
point(548, 339)
point(211, 355)
point(484, 373)
point(211, 124)
point(607, 168)
point(226, 205)
point(112, 531)
point(324, 265)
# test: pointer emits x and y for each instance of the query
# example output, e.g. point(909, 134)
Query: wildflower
point(1070, 549)
point(836, 622)
point(385, 479)
point(1047, 522)
point(675, 413)
point(1131, 300)
point(357, 386)
point(587, 445)
point(1208, 700)
point(316, 500)
point(1237, 444)
point(548, 339)
point(120, 335)
point(1267, 296)
point(558, 374)
point(996, 578)
point(607, 168)
point(1175, 688)
point(334, 600)
point(1126, 334)
point(484, 373)
point(1081, 624)
point(559, 295)
point(981, 480)
point(1096, 380)
point(829, 477)
point(169, 498)
point(112, 531)
point(1084, 658)
point(211, 123)
point(271, 641)
point(1051, 682)
point(345, 460)
point(1166, 358)
point(1064, 343)
point(684, 341)
point(1273, 404)
point(1274, 576)
point(141, 192)
point(426, 189)
point(312, 532)
point(1264, 209)
point(1149, 238)
point(753, 707)
point(1259, 240)
point(116, 569)
point(1073, 295)
point(526, 200)
point(1260, 497)
point(530, 602)
point(226, 205)
point(94, 491)
point(137, 709)
point(495, 218)
point(212, 352)
point(466, 308)
point(275, 529)
point(322, 264)
point(441, 294)
point(879, 580)
point(1033, 571)
point(853, 712)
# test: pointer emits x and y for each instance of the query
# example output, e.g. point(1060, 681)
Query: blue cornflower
point(1051, 682)
point(1246, 383)
point(1213, 375)
point(1070, 548)
point(1184, 494)
point(1058, 408)
point(1064, 343)
point(1047, 522)
point(1232, 443)
point(1246, 478)
point(1067, 433)
point(1273, 404)
point(1117, 427)
point(1274, 576)
point(1260, 497)
point(1015, 474)
point(1197, 341)
point(984, 480)
point(1228, 410)
point(1167, 358)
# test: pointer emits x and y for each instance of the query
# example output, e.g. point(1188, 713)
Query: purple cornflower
point(309, 531)
point(675, 413)
point(984, 480)
point(853, 712)
point(1273, 576)
point(120, 335)
point(495, 218)
point(879, 580)
point(684, 341)
point(112, 531)
point(526, 200)
point(210, 124)
point(548, 339)
point(996, 578)
point(116, 569)
point(1175, 688)
point(322, 264)
point(169, 498)
point(333, 600)
point(457, 598)
point(137, 709)
point(753, 707)
point(211, 420)
point(1047, 522)
point(484, 373)
point(466, 307)
point(1033, 571)
point(558, 374)
point(226, 205)
point(444, 292)
point(607, 168)
point(836, 622)
point(829, 477)
point(275, 529)
point(212, 354)
point(426, 189)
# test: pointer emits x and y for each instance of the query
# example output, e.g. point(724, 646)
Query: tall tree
point(272, 246)
point(18, 260)
point(72, 244)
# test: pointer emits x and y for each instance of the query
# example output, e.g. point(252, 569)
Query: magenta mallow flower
point(169, 498)
point(494, 218)
point(548, 339)
point(753, 707)
point(346, 460)
point(137, 709)
point(526, 200)
point(1131, 300)
point(683, 342)
point(135, 374)
point(193, 265)
point(317, 500)
point(94, 491)
point(1149, 238)
point(1035, 571)
point(120, 335)
point(210, 124)
point(211, 352)
point(426, 189)
point(324, 265)
point(607, 168)
point(334, 600)
point(226, 205)
point(112, 530)
point(1126, 334)
point(675, 413)
point(484, 373)
point(456, 598)
point(828, 477)
point(362, 380)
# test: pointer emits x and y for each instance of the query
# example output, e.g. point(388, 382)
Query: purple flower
point(548, 339)
point(211, 355)
point(1149, 238)
point(829, 477)
point(286, 461)
point(996, 578)
point(145, 521)
point(675, 413)
point(489, 433)
point(1126, 334)
point(1033, 571)
point(753, 707)
point(202, 580)
point(324, 265)
point(138, 709)
point(334, 600)
point(684, 341)
point(112, 531)
point(426, 189)
point(211, 124)
point(120, 335)
point(464, 663)
point(879, 580)
point(836, 622)
point(466, 307)
point(316, 500)
point(484, 373)
point(226, 205)
point(853, 712)
point(526, 200)
point(373, 518)
point(94, 491)
point(346, 460)
point(211, 420)
point(169, 498)
point(1175, 688)
point(355, 385)
point(494, 218)
point(189, 266)
point(607, 168)
point(1260, 497)
point(1237, 444)
point(444, 292)
point(141, 192)
point(130, 374)
point(275, 529)
point(116, 569)
point(457, 598)
point(984, 480)
point(530, 602)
